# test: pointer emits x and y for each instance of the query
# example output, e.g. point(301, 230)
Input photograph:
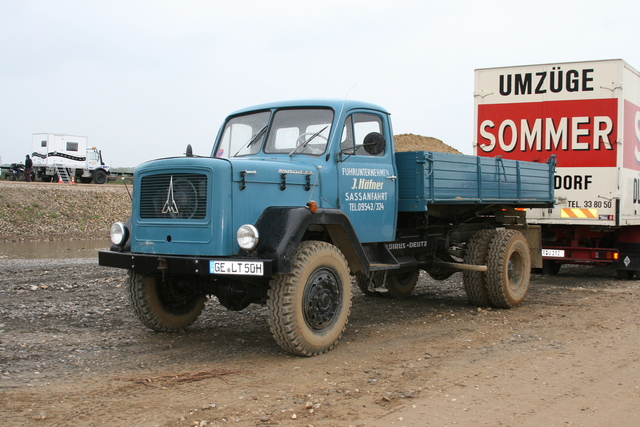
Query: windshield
point(93, 155)
point(292, 131)
point(243, 135)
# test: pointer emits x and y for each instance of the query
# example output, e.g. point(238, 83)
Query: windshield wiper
point(252, 140)
point(303, 145)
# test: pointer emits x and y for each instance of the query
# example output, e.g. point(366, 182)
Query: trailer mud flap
point(533, 235)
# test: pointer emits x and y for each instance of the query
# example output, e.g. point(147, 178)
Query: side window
point(72, 146)
point(346, 142)
point(356, 128)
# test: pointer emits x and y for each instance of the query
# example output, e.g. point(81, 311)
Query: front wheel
point(309, 307)
point(508, 269)
point(164, 305)
point(99, 177)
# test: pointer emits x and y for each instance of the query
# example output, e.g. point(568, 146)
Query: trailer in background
point(587, 114)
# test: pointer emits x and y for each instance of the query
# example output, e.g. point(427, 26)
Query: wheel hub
point(514, 267)
point(321, 299)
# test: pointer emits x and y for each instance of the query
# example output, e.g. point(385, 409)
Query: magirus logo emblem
point(170, 205)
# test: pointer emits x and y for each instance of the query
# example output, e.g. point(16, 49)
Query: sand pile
point(411, 142)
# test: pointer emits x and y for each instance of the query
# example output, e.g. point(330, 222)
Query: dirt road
point(72, 354)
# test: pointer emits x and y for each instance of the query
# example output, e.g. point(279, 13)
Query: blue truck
point(300, 201)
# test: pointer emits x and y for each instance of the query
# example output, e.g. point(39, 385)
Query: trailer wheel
point(474, 282)
point(509, 269)
point(551, 267)
point(402, 284)
point(99, 177)
point(164, 306)
point(309, 307)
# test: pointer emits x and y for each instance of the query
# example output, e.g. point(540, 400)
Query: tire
point(21, 176)
point(625, 274)
point(402, 284)
point(363, 284)
point(509, 269)
point(99, 177)
point(164, 306)
point(440, 273)
point(397, 284)
point(309, 307)
point(474, 282)
point(551, 267)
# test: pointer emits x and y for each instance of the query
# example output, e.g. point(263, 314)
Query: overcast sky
point(142, 79)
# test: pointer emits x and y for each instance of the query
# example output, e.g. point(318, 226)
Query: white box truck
point(587, 114)
point(66, 158)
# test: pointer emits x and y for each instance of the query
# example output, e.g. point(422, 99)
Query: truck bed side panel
point(430, 177)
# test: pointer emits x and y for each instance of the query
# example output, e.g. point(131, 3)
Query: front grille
point(178, 196)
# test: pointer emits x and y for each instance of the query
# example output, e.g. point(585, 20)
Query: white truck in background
point(587, 114)
point(67, 157)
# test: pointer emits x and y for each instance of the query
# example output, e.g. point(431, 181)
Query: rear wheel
point(509, 269)
point(368, 285)
point(395, 284)
point(309, 307)
point(476, 254)
point(164, 306)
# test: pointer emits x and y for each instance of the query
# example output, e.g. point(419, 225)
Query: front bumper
point(211, 267)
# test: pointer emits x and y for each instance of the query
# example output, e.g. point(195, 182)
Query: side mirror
point(374, 143)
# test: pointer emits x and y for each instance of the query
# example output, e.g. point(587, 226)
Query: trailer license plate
point(242, 268)
point(555, 253)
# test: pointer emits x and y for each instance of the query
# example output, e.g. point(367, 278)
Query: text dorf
point(572, 182)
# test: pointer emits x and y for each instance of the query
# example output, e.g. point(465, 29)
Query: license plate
point(241, 268)
point(554, 253)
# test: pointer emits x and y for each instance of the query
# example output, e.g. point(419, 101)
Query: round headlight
point(118, 234)
point(247, 237)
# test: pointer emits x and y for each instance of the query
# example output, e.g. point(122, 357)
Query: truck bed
point(426, 177)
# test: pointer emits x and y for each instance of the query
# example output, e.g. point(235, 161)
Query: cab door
point(367, 183)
